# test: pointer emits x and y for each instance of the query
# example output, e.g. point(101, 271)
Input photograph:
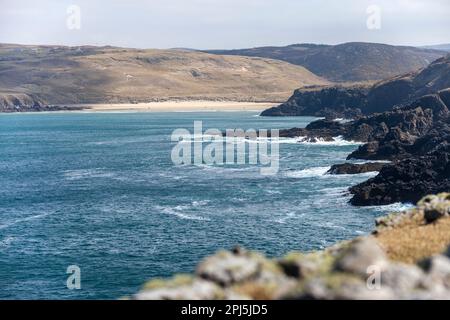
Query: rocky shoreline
point(406, 257)
point(414, 138)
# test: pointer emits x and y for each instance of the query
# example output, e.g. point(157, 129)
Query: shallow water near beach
point(99, 190)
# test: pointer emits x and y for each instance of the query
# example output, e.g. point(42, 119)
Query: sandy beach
point(178, 106)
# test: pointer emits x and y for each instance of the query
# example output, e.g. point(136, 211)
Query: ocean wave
point(258, 140)
point(308, 173)
point(119, 141)
point(285, 218)
point(22, 220)
point(274, 141)
point(335, 191)
point(371, 161)
point(367, 175)
point(337, 141)
point(268, 191)
point(179, 212)
point(6, 242)
point(321, 172)
point(343, 120)
point(86, 174)
point(395, 207)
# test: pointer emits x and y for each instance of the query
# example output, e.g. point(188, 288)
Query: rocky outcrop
point(415, 137)
point(23, 102)
point(395, 262)
point(12, 102)
point(342, 102)
point(407, 180)
point(332, 102)
point(323, 130)
point(352, 168)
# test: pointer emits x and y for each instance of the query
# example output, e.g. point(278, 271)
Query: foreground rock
point(405, 258)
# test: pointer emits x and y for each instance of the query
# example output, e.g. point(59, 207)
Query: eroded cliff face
point(406, 257)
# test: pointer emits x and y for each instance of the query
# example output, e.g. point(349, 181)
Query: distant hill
point(354, 101)
point(442, 47)
point(354, 61)
point(66, 75)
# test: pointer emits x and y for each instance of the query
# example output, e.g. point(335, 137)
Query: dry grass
point(256, 290)
point(63, 75)
point(414, 240)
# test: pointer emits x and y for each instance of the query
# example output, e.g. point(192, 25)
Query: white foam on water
point(371, 161)
point(343, 120)
point(119, 141)
point(336, 191)
point(200, 203)
point(308, 173)
point(180, 212)
point(395, 207)
point(268, 191)
point(275, 141)
point(86, 174)
point(6, 242)
point(337, 141)
point(367, 175)
point(22, 220)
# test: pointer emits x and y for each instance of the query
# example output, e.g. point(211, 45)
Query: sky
point(223, 24)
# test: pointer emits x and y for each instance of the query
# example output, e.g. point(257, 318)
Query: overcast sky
point(214, 24)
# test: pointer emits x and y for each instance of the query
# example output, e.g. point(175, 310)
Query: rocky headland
point(406, 257)
point(353, 101)
point(24, 102)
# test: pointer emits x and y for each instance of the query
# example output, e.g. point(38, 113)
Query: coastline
point(175, 106)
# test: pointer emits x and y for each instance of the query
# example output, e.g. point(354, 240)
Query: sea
point(98, 193)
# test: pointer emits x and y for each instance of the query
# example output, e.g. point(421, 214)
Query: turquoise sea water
point(99, 190)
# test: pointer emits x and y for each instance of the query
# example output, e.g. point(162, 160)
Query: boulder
point(435, 206)
point(361, 254)
point(198, 289)
point(226, 267)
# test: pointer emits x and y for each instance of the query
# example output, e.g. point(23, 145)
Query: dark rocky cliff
point(331, 102)
point(337, 102)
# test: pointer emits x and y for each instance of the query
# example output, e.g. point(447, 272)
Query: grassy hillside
point(65, 75)
point(353, 61)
